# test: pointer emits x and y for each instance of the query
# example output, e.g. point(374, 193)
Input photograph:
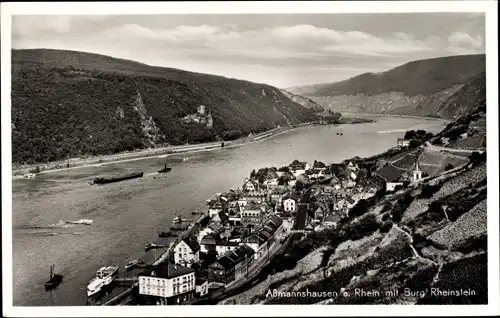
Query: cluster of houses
point(244, 225)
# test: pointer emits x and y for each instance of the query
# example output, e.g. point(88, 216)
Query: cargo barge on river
point(117, 178)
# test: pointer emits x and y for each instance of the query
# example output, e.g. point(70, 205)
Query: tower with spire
point(417, 173)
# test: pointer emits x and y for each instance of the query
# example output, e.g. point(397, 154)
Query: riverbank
point(93, 161)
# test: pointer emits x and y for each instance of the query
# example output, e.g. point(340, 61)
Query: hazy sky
point(279, 49)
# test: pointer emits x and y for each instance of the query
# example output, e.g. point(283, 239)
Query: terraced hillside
point(69, 104)
point(417, 246)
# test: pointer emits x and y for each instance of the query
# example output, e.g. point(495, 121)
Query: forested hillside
point(68, 104)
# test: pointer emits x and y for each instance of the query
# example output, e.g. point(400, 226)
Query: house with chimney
point(253, 215)
point(167, 284)
point(265, 235)
point(232, 265)
point(221, 204)
point(250, 185)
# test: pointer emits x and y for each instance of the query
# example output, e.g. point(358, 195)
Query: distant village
point(242, 228)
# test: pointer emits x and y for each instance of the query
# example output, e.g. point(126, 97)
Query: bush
point(477, 158)
point(359, 209)
point(448, 167)
point(437, 142)
point(365, 226)
point(386, 227)
point(428, 191)
point(387, 207)
point(414, 144)
point(400, 207)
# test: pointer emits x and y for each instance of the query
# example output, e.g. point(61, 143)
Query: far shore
point(95, 161)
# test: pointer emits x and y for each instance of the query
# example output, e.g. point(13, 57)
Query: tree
point(410, 134)
point(299, 186)
point(359, 209)
point(448, 167)
point(414, 144)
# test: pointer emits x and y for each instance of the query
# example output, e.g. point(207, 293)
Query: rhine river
point(127, 215)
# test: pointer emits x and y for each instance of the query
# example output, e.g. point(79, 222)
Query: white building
point(289, 205)
point(168, 284)
point(187, 252)
point(201, 287)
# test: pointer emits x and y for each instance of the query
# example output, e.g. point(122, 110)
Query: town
point(244, 228)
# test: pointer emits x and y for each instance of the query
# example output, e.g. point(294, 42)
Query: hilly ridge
point(69, 104)
point(416, 88)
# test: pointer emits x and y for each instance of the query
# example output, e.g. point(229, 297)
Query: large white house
point(187, 252)
point(167, 284)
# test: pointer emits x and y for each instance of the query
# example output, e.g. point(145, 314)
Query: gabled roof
point(271, 175)
point(254, 238)
point(253, 182)
point(350, 200)
point(240, 253)
point(167, 270)
point(319, 164)
point(192, 243)
point(333, 218)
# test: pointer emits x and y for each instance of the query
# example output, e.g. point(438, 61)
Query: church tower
point(417, 173)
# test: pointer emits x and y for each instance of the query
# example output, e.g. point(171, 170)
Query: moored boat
point(132, 264)
point(164, 234)
point(177, 219)
point(165, 169)
point(54, 279)
point(152, 246)
point(104, 277)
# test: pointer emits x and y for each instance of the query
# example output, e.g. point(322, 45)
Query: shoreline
point(163, 152)
point(152, 153)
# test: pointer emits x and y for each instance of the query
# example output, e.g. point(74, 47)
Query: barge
point(118, 178)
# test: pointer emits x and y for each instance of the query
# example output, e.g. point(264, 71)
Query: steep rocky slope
point(304, 101)
point(446, 87)
point(68, 104)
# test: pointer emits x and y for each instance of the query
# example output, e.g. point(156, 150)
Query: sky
point(282, 50)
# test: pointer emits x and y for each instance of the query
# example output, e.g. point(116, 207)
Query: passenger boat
point(104, 277)
point(54, 279)
point(165, 169)
point(29, 176)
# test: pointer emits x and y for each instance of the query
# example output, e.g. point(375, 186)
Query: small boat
point(54, 280)
point(177, 219)
point(132, 264)
point(165, 169)
point(152, 246)
point(82, 221)
point(29, 176)
point(164, 234)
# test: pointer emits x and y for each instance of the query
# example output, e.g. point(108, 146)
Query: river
point(127, 215)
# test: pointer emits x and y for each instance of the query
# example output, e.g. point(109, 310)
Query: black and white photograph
point(167, 155)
